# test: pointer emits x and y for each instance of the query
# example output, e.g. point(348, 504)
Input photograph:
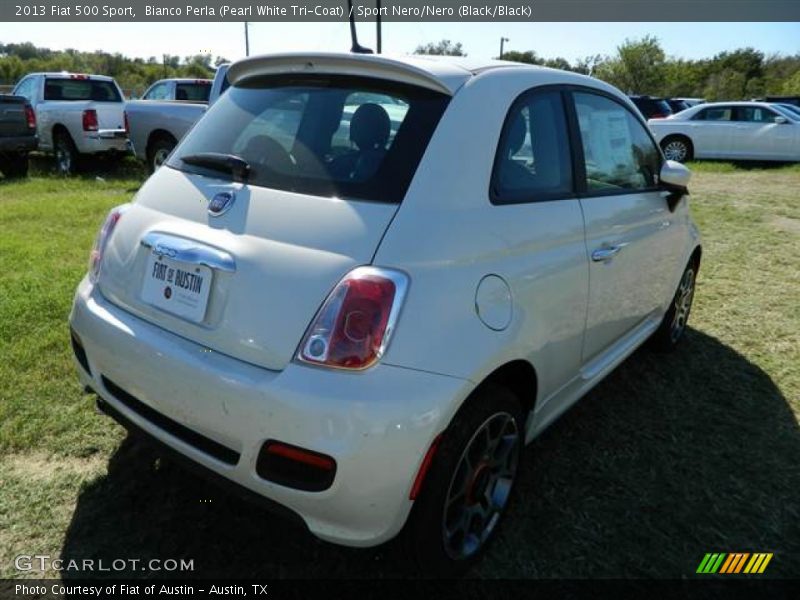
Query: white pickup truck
point(156, 126)
point(76, 115)
point(184, 90)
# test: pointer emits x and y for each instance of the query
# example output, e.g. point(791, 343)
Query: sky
point(480, 40)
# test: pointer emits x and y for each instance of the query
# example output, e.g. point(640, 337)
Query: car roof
point(67, 75)
point(445, 74)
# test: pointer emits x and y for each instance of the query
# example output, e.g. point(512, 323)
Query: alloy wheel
point(676, 150)
point(481, 486)
point(683, 304)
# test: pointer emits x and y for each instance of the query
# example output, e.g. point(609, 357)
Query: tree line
point(134, 75)
point(641, 66)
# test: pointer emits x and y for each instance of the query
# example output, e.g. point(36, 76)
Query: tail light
point(354, 325)
point(127, 123)
point(30, 116)
point(90, 120)
point(100, 243)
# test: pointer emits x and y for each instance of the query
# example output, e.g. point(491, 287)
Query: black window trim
point(495, 198)
point(579, 189)
point(577, 145)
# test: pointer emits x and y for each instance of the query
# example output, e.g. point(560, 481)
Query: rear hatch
point(241, 264)
point(13, 121)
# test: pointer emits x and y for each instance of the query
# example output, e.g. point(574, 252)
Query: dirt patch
point(40, 466)
point(786, 224)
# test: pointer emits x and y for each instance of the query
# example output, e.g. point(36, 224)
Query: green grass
point(671, 457)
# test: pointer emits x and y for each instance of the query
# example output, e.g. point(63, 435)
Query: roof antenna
point(378, 26)
point(356, 48)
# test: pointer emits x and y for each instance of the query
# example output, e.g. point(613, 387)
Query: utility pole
point(246, 40)
point(502, 39)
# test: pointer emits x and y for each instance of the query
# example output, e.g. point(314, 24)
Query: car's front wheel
point(469, 484)
point(672, 328)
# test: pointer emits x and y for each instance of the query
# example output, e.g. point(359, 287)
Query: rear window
point(193, 92)
point(332, 136)
point(81, 89)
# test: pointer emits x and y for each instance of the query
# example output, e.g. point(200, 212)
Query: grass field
point(669, 458)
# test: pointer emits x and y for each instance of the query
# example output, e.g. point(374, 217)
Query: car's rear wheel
point(66, 153)
point(469, 485)
point(677, 148)
point(158, 152)
point(673, 327)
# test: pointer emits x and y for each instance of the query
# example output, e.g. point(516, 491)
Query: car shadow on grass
point(672, 456)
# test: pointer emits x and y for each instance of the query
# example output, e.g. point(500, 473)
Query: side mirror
point(674, 178)
point(781, 120)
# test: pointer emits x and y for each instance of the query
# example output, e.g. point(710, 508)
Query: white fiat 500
point(361, 284)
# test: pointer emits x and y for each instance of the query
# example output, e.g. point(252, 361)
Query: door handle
point(606, 252)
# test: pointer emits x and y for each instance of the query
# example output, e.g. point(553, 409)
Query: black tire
point(464, 496)
point(673, 326)
point(678, 148)
point(158, 151)
point(67, 157)
point(14, 166)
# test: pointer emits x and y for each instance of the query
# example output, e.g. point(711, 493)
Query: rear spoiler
point(358, 65)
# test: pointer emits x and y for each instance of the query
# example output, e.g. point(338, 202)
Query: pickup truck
point(184, 90)
point(156, 127)
point(17, 135)
point(77, 115)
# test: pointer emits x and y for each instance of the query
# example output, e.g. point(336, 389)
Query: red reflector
point(127, 124)
point(90, 120)
point(424, 467)
point(30, 116)
point(307, 457)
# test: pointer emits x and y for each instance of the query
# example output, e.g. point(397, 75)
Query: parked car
point(692, 101)
point(77, 115)
point(187, 90)
point(729, 131)
point(156, 127)
point(790, 110)
point(652, 108)
point(358, 329)
point(795, 100)
point(17, 135)
point(677, 105)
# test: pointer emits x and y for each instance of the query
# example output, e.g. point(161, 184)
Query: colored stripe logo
point(734, 563)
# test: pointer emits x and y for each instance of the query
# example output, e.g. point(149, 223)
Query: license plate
point(177, 287)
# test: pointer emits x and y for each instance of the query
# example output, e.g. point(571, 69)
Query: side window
point(25, 88)
point(618, 152)
point(159, 91)
point(722, 113)
point(533, 158)
point(755, 114)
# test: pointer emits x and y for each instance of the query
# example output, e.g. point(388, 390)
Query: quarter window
point(25, 89)
point(533, 159)
point(159, 91)
point(618, 152)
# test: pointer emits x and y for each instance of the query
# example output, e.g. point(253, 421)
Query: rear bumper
point(105, 140)
point(16, 144)
point(377, 424)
